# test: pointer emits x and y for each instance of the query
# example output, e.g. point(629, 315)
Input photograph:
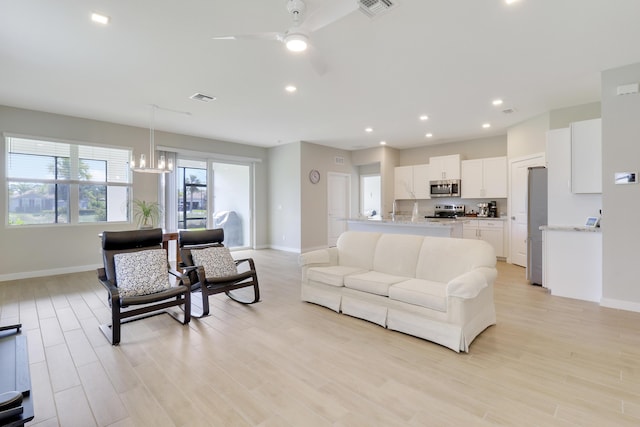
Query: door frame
point(540, 160)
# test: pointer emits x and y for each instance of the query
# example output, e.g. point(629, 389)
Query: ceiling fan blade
point(257, 36)
point(330, 12)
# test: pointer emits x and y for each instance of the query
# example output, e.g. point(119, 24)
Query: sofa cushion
point(356, 249)
point(332, 275)
point(372, 282)
point(397, 254)
point(424, 293)
point(444, 258)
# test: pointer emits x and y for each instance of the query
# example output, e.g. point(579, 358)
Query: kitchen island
point(423, 227)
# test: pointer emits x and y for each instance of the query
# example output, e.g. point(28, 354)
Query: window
point(62, 183)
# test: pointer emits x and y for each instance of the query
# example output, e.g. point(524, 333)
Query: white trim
point(620, 304)
point(209, 155)
point(285, 249)
point(51, 272)
point(510, 161)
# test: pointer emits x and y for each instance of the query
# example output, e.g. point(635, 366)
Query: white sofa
point(436, 288)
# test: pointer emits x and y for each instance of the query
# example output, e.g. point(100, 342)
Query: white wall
point(314, 208)
point(528, 137)
point(621, 203)
point(284, 197)
point(46, 250)
point(479, 148)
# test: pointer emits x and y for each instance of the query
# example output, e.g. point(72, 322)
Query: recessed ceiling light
point(368, 129)
point(383, 142)
point(429, 135)
point(486, 125)
point(424, 117)
point(100, 18)
point(497, 102)
point(511, 1)
point(291, 88)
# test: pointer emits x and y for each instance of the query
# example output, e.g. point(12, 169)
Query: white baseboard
point(285, 248)
point(620, 304)
point(315, 248)
point(52, 272)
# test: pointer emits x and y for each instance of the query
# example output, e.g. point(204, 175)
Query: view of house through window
point(62, 183)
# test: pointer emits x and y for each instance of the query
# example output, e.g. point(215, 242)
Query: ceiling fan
point(296, 38)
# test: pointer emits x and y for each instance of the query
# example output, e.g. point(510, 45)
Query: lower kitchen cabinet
point(491, 231)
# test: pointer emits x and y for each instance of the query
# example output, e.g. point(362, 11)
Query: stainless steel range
point(447, 211)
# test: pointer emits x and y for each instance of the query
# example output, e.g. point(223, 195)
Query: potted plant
point(146, 214)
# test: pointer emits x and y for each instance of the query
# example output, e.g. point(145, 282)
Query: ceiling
point(447, 59)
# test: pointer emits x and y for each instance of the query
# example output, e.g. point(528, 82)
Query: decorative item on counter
point(414, 213)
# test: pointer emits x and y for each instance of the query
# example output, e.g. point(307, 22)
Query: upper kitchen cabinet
point(444, 167)
point(411, 182)
point(586, 156)
point(484, 178)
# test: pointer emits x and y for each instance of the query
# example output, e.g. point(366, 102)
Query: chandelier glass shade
point(143, 166)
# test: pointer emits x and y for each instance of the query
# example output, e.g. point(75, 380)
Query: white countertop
point(571, 228)
point(420, 223)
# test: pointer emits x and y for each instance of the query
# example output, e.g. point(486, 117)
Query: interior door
point(518, 173)
point(338, 196)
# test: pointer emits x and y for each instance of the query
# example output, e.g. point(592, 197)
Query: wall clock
point(314, 176)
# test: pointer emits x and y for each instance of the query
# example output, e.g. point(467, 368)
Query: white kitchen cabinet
point(586, 156)
point(421, 181)
point(491, 231)
point(411, 182)
point(403, 184)
point(484, 178)
point(445, 167)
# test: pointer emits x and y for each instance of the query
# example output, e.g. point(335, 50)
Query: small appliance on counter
point(483, 210)
point(447, 211)
point(493, 209)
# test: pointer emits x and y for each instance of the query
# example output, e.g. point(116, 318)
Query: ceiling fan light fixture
point(296, 42)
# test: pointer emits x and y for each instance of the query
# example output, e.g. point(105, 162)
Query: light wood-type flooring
point(549, 361)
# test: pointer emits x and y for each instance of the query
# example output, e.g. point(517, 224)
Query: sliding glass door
point(215, 194)
point(192, 194)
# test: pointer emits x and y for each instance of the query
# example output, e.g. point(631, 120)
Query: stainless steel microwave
point(444, 188)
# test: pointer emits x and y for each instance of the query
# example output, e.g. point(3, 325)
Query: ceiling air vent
point(509, 110)
point(373, 8)
point(202, 97)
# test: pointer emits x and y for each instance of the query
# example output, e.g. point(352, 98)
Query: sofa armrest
point(469, 284)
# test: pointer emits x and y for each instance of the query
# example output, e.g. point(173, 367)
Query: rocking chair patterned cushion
point(217, 261)
point(141, 273)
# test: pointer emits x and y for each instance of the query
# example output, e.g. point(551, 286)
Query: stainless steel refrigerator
point(536, 217)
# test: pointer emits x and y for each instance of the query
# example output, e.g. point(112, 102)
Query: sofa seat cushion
point(421, 292)
point(333, 275)
point(372, 282)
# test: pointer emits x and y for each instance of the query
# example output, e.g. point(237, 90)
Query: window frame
point(75, 182)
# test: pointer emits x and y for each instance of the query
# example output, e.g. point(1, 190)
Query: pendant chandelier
point(148, 165)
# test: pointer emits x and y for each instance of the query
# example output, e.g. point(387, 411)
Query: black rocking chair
point(205, 282)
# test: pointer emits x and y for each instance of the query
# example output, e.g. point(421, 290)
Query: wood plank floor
point(549, 361)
